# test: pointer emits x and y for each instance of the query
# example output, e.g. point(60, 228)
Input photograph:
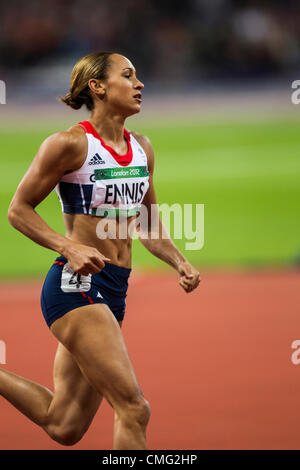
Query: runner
point(100, 170)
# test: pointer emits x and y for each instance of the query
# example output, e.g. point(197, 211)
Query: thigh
point(75, 400)
point(93, 336)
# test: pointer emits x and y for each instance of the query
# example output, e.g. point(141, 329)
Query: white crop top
point(107, 183)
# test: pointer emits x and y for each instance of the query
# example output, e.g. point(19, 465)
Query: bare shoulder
point(72, 139)
point(145, 142)
point(68, 146)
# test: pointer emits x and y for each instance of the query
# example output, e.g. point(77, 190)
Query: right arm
point(59, 153)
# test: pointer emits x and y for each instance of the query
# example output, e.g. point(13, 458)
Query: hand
point(84, 259)
point(190, 277)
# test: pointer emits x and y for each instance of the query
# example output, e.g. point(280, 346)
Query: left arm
point(162, 246)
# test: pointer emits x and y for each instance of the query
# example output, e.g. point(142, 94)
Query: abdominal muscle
point(87, 229)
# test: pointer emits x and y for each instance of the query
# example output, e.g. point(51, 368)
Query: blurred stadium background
point(217, 108)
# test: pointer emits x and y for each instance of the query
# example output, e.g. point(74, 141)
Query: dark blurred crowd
point(177, 40)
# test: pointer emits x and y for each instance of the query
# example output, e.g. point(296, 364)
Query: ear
point(97, 86)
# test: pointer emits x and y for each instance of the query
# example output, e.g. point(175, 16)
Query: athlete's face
point(123, 90)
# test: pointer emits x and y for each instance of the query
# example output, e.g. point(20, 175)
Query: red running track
point(214, 364)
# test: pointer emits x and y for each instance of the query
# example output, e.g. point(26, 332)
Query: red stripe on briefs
point(86, 297)
point(123, 160)
point(59, 262)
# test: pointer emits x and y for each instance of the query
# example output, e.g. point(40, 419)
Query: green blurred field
point(246, 174)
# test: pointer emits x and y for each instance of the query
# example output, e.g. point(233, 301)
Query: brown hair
point(94, 65)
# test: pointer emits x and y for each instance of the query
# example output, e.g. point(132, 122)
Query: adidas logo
point(96, 160)
point(99, 295)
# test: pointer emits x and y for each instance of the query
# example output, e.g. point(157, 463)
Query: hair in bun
point(94, 65)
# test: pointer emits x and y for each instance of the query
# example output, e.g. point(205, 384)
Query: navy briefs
point(64, 289)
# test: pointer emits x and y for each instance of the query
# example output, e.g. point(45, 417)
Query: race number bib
point(74, 282)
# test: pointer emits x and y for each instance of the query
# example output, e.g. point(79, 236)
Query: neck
point(109, 126)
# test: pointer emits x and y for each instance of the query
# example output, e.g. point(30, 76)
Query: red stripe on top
point(59, 262)
point(123, 160)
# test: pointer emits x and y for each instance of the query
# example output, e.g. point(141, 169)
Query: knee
point(137, 412)
point(142, 412)
point(65, 435)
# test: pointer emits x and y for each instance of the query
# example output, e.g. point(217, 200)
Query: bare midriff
point(87, 229)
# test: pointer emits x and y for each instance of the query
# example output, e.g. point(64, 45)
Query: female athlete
point(99, 170)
